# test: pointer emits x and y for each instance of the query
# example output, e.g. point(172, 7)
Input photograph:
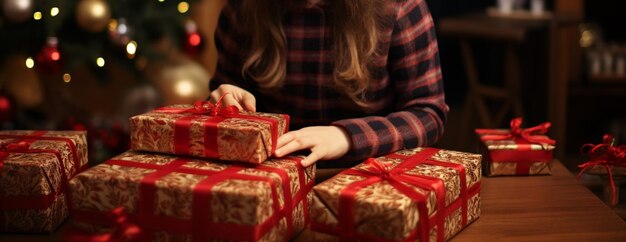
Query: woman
point(359, 78)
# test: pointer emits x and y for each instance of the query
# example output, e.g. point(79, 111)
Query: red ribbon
point(201, 226)
point(23, 146)
point(606, 155)
point(398, 178)
point(529, 135)
point(219, 113)
point(123, 230)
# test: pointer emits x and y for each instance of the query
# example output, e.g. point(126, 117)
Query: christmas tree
point(91, 64)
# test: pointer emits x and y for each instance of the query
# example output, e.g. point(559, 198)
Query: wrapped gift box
point(423, 194)
point(35, 167)
point(178, 199)
point(516, 151)
point(607, 159)
point(201, 131)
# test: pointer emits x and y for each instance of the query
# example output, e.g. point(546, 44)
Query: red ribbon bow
point(123, 230)
point(208, 108)
point(532, 134)
point(606, 155)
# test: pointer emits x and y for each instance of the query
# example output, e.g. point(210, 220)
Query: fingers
point(239, 97)
point(249, 102)
point(292, 142)
point(295, 141)
point(311, 158)
point(229, 100)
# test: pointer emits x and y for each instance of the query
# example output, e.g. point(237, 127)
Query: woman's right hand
point(238, 97)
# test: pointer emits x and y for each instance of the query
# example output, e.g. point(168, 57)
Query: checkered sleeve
point(415, 74)
point(229, 51)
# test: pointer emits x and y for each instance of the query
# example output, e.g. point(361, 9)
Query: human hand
point(325, 143)
point(238, 97)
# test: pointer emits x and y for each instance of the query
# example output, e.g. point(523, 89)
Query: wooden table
point(542, 208)
point(537, 208)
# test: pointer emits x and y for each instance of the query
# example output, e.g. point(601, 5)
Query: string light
point(30, 63)
point(54, 11)
point(55, 56)
point(183, 7)
point(67, 77)
point(37, 15)
point(194, 39)
point(112, 25)
point(100, 62)
point(131, 48)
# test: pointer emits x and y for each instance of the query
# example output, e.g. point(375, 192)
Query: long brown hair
point(356, 26)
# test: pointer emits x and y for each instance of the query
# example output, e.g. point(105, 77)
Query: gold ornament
point(93, 15)
point(21, 82)
point(18, 10)
point(179, 82)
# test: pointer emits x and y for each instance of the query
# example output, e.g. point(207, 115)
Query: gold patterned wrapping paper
point(242, 198)
point(246, 136)
point(510, 157)
point(32, 192)
point(384, 213)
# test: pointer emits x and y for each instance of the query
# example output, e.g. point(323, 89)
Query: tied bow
point(375, 168)
point(532, 134)
point(208, 108)
point(606, 154)
point(123, 230)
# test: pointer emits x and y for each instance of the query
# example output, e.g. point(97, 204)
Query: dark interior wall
point(609, 15)
point(452, 66)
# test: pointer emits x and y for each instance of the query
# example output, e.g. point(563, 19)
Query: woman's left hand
point(325, 143)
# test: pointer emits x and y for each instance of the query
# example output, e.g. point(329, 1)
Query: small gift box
point(423, 194)
point(181, 199)
point(210, 131)
point(605, 159)
point(35, 167)
point(517, 151)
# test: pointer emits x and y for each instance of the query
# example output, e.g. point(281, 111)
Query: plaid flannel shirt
point(407, 107)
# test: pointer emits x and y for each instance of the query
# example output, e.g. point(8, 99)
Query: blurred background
point(91, 64)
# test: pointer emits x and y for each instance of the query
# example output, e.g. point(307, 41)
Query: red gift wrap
point(210, 131)
point(35, 167)
point(423, 194)
point(171, 198)
point(517, 151)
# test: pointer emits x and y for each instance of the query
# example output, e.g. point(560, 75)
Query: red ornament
point(49, 57)
point(6, 109)
point(194, 39)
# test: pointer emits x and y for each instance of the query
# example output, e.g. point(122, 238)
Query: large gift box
point(423, 194)
point(517, 151)
point(35, 167)
point(208, 130)
point(182, 199)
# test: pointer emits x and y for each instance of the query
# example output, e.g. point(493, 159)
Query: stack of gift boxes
point(205, 172)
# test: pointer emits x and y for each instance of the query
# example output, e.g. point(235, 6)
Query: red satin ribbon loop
point(208, 108)
point(606, 155)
